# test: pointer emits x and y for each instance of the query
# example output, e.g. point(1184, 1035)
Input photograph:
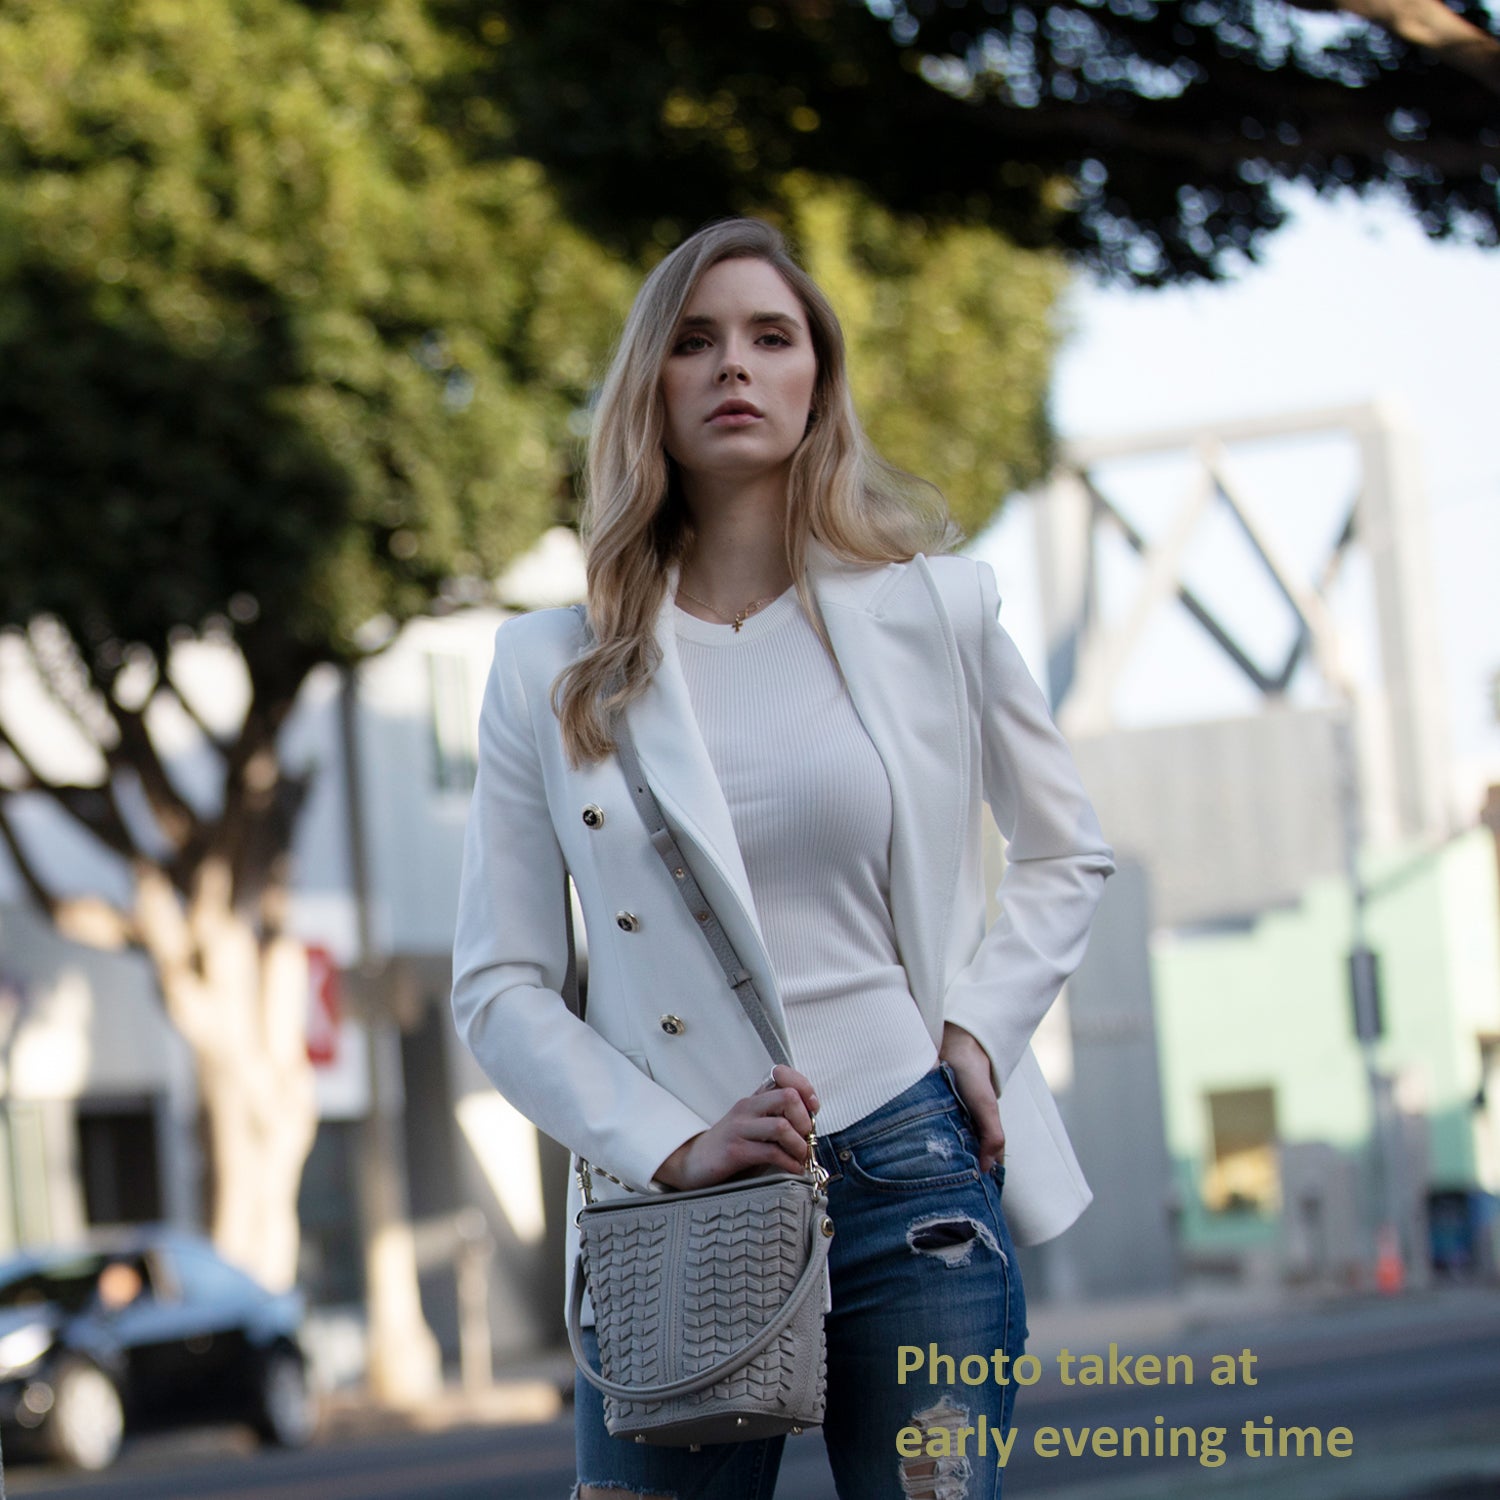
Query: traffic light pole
point(1391, 1250)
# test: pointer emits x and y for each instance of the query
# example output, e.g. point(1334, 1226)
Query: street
point(1415, 1381)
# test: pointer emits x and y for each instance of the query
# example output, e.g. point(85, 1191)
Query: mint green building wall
point(1269, 1006)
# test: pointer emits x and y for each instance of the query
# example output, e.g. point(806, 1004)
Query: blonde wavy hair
point(635, 525)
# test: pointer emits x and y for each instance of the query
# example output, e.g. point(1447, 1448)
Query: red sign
point(323, 990)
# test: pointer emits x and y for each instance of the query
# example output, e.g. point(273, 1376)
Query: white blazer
point(958, 722)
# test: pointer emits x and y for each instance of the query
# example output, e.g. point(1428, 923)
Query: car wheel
point(287, 1409)
point(86, 1424)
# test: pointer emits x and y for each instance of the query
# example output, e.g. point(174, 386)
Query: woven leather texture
point(680, 1286)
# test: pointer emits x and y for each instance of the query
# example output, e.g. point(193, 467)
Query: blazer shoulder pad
point(549, 637)
point(969, 593)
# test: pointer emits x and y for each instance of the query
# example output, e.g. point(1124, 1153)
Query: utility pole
point(404, 1365)
point(1364, 994)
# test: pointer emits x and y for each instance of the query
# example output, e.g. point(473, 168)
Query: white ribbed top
point(811, 806)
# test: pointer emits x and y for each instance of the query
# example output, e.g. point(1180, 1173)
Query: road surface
point(1415, 1383)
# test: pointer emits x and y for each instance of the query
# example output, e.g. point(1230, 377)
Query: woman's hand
point(767, 1129)
point(971, 1075)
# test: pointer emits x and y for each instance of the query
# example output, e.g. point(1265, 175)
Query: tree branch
point(92, 806)
point(171, 685)
point(85, 919)
point(34, 780)
point(93, 921)
point(1431, 26)
point(251, 832)
point(73, 681)
point(55, 658)
point(24, 868)
point(168, 935)
point(175, 816)
point(1156, 131)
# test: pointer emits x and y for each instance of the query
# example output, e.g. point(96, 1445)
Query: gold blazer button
point(673, 1025)
point(627, 921)
point(593, 816)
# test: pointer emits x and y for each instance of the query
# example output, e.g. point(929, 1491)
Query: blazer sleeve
point(1056, 857)
point(510, 956)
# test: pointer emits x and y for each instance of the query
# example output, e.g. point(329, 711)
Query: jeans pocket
point(951, 1079)
point(936, 1151)
point(971, 1136)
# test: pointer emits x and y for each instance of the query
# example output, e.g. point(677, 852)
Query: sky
point(1350, 304)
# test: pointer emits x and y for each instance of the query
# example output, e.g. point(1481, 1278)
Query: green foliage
point(1146, 140)
point(285, 346)
point(271, 353)
point(950, 333)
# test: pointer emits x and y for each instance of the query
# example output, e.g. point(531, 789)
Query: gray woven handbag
point(708, 1304)
point(708, 1308)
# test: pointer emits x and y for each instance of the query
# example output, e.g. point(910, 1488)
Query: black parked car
point(151, 1328)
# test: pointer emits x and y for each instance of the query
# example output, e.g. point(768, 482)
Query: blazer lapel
point(676, 761)
point(890, 635)
point(900, 661)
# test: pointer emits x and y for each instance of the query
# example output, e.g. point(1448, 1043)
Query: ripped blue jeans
point(928, 1315)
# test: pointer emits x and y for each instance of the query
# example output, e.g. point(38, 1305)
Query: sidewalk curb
point(536, 1392)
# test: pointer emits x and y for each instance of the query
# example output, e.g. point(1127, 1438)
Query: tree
point(274, 363)
point(279, 363)
point(951, 331)
point(1145, 139)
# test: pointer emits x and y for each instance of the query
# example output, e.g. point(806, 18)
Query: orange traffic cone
point(1390, 1270)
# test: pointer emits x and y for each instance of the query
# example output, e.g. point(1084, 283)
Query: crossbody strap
point(665, 844)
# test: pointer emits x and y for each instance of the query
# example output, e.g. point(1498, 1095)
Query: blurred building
point(1268, 1108)
point(1291, 558)
point(1204, 1053)
point(97, 1104)
point(99, 1118)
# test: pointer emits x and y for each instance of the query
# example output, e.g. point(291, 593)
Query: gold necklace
point(739, 617)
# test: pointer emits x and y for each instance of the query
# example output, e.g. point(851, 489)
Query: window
point(455, 735)
point(1244, 1175)
point(117, 1161)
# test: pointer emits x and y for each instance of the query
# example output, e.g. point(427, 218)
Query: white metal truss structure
point(1402, 734)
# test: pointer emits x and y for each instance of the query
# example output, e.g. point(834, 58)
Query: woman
point(821, 709)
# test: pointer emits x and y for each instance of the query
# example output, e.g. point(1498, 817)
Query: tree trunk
point(404, 1368)
point(240, 1002)
point(257, 1156)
